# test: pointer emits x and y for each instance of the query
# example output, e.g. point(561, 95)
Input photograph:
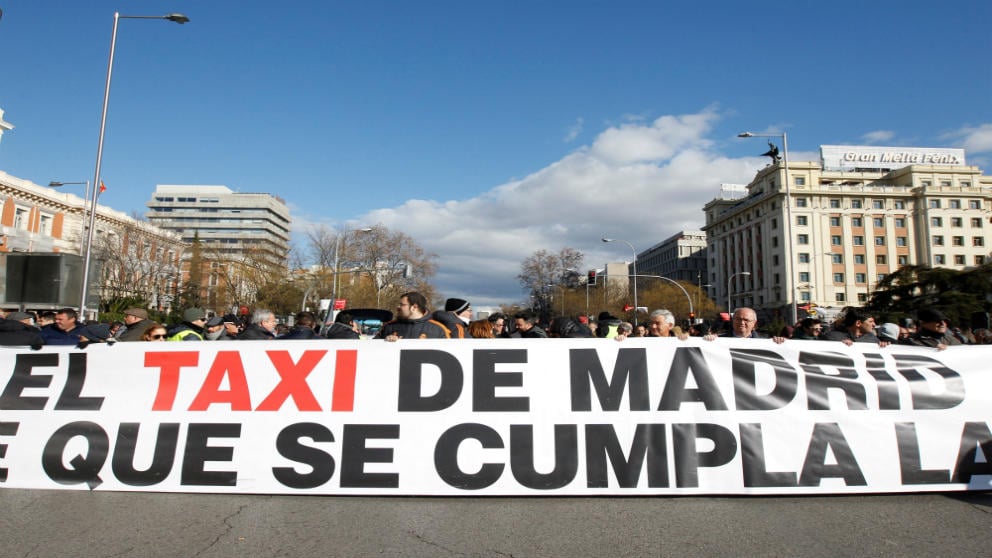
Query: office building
point(241, 237)
point(681, 257)
point(841, 224)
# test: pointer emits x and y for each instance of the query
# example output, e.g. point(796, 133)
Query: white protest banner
point(497, 417)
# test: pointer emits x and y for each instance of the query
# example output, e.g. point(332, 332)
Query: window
point(835, 204)
point(880, 278)
point(802, 220)
point(899, 204)
point(774, 223)
point(855, 204)
point(958, 260)
point(976, 222)
point(878, 204)
point(774, 242)
point(878, 222)
point(857, 222)
point(804, 277)
point(802, 239)
point(801, 202)
point(979, 260)
point(839, 297)
point(974, 204)
point(934, 204)
point(880, 259)
point(775, 259)
point(939, 259)
point(937, 240)
point(945, 183)
point(804, 296)
point(957, 241)
point(954, 204)
point(21, 218)
point(862, 297)
point(803, 257)
point(835, 221)
point(965, 184)
point(860, 278)
point(799, 180)
point(978, 241)
point(901, 241)
point(900, 222)
point(838, 277)
point(858, 240)
point(936, 222)
point(902, 260)
point(859, 259)
point(926, 183)
point(879, 241)
point(835, 240)
point(957, 222)
point(45, 224)
point(837, 258)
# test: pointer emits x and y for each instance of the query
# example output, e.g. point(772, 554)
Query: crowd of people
point(414, 320)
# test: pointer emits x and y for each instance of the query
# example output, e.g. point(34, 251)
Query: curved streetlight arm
point(634, 263)
point(677, 284)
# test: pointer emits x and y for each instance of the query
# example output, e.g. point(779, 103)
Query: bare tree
point(543, 273)
point(390, 262)
point(139, 266)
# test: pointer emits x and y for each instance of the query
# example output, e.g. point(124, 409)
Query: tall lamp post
point(177, 18)
point(729, 282)
point(790, 262)
point(635, 270)
point(89, 208)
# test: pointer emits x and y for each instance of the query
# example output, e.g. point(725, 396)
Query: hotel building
point(826, 232)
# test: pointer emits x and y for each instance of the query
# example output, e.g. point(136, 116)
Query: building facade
point(136, 259)
point(681, 257)
point(241, 238)
point(841, 224)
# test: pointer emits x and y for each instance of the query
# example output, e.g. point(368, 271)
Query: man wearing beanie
point(455, 317)
point(194, 320)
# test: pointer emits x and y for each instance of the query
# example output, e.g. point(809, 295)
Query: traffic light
point(592, 277)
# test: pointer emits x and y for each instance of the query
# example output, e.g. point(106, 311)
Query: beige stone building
point(840, 224)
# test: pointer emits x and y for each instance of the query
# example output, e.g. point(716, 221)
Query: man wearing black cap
point(932, 330)
point(455, 317)
point(136, 320)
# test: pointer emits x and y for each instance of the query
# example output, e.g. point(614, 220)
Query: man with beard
point(412, 321)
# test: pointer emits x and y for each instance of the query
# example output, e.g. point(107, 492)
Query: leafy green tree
point(957, 294)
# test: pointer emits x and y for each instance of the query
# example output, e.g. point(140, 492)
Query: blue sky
point(484, 130)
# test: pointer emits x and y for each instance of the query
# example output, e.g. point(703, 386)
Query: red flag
point(103, 187)
point(627, 308)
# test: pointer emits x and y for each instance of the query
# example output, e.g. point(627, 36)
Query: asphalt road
point(39, 523)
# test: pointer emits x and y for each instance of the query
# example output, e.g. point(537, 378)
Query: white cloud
point(637, 182)
point(878, 136)
point(974, 139)
point(574, 130)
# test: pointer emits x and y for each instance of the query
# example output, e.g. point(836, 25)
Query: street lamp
point(177, 18)
point(674, 282)
point(729, 281)
point(788, 215)
point(635, 269)
point(337, 248)
point(89, 208)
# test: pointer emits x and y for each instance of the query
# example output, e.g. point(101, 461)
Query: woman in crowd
point(481, 329)
point(154, 332)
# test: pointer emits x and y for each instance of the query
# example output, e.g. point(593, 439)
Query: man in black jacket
point(262, 326)
point(412, 321)
point(344, 327)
